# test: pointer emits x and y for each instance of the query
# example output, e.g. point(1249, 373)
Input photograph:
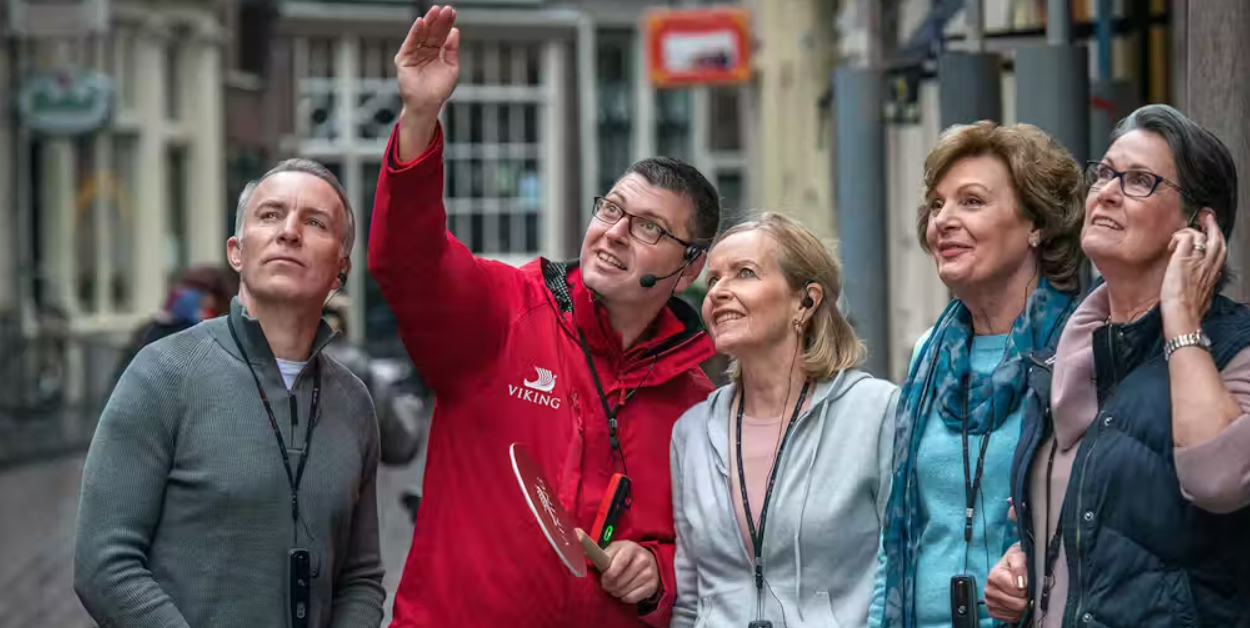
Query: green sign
point(66, 102)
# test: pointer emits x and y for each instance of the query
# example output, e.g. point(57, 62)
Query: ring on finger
point(1200, 246)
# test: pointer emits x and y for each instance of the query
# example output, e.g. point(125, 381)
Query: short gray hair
point(306, 166)
point(1205, 170)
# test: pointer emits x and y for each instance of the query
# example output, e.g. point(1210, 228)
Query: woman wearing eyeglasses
point(1132, 480)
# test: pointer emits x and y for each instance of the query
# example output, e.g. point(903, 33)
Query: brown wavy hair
point(1049, 186)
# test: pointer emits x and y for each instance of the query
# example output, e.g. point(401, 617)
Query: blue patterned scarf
point(939, 379)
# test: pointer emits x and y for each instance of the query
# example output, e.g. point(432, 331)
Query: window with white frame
point(496, 142)
point(318, 117)
point(614, 62)
point(673, 124)
point(122, 63)
point(493, 151)
point(726, 150)
point(493, 140)
point(378, 104)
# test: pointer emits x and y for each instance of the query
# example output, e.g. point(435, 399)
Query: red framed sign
point(687, 47)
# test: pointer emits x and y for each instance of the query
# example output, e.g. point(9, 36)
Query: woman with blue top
point(1002, 219)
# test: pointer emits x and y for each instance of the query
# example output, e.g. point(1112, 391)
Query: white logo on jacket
point(545, 382)
point(535, 390)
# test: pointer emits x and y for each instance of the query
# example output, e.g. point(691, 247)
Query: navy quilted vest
point(1139, 555)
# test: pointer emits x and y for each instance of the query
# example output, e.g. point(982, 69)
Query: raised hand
point(1189, 282)
point(427, 66)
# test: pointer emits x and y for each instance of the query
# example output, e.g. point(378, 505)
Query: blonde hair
point(1049, 187)
point(829, 344)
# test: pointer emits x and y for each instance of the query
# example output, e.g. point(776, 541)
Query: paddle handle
point(595, 553)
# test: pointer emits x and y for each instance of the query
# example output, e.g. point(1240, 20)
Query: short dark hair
point(684, 179)
point(306, 166)
point(1205, 170)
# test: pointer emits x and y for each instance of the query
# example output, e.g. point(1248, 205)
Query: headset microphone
point(692, 253)
point(649, 280)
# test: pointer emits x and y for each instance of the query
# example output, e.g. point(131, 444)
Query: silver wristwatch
point(1192, 339)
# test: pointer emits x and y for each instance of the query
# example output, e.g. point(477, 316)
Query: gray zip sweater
point(820, 546)
point(185, 515)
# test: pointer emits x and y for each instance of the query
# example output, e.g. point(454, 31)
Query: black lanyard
point(1055, 541)
point(972, 483)
point(608, 410)
point(757, 538)
point(293, 479)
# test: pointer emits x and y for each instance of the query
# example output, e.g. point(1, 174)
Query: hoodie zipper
point(798, 424)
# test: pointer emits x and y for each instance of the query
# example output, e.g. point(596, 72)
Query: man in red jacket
point(589, 364)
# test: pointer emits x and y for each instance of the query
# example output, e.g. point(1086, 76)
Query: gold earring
point(798, 325)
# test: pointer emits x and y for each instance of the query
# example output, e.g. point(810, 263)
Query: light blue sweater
point(831, 491)
point(940, 473)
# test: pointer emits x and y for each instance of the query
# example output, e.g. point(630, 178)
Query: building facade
point(101, 220)
point(1134, 61)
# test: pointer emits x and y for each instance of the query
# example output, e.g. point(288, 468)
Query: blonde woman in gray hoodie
point(781, 477)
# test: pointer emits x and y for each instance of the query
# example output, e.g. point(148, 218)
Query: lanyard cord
point(972, 484)
point(608, 410)
point(293, 479)
point(757, 537)
point(1052, 546)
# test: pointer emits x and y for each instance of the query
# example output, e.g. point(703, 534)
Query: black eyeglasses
point(1134, 183)
point(642, 229)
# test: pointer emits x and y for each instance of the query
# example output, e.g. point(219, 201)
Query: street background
point(130, 127)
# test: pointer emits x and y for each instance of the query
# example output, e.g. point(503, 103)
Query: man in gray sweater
point(231, 480)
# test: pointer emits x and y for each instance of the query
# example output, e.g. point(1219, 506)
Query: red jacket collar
point(675, 342)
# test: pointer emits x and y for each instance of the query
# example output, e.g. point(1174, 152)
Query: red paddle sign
point(552, 518)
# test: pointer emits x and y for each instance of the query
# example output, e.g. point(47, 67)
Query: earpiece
point(693, 252)
point(343, 278)
point(807, 302)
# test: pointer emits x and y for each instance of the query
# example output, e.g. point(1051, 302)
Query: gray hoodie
point(824, 519)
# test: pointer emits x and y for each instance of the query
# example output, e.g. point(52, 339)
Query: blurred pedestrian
point(403, 418)
point(200, 293)
point(188, 515)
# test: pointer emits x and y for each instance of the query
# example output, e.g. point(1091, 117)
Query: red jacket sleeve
point(452, 308)
point(664, 552)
